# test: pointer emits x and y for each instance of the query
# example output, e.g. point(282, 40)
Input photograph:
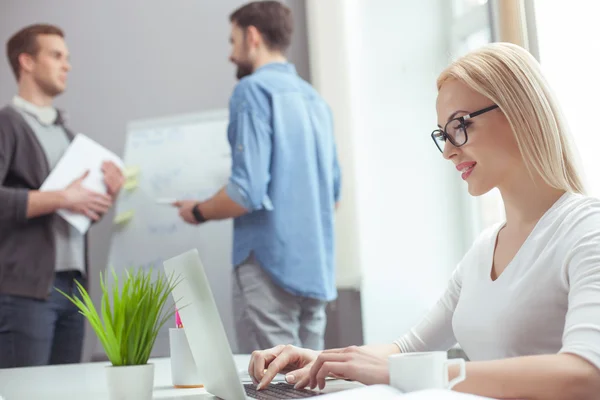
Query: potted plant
point(127, 326)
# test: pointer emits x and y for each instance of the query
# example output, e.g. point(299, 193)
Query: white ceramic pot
point(131, 382)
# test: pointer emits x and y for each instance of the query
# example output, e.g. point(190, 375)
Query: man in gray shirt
point(40, 251)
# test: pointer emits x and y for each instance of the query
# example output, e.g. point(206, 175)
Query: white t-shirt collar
point(45, 115)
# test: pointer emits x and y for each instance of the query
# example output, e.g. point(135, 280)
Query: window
point(471, 28)
point(461, 7)
point(567, 34)
point(568, 52)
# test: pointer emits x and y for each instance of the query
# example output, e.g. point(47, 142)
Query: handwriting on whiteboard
point(166, 228)
point(156, 137)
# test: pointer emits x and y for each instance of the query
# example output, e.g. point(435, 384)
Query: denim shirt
point(285, 172)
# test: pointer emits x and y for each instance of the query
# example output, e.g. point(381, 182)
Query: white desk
point(88, 382)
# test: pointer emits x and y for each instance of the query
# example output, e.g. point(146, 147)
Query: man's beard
point(243, 69)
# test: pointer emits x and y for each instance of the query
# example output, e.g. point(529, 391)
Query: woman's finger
point(331, 367)
point(298, 375)
point(323, 358)
point(253, 360)
point(289, 354)
point(260, 360)
point(302, 382)
point(338, 350)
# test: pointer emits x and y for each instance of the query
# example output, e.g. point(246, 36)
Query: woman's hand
point(280, 359)
point(353, 363)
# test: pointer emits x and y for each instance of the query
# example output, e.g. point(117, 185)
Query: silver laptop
point(207, 339)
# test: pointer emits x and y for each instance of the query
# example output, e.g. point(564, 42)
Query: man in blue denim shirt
point(283, 189)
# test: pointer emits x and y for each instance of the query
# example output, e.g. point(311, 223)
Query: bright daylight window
point(568, 40)
point(472, 28)
point(569, 51)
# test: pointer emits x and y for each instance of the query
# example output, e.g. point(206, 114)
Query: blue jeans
point(41, 332)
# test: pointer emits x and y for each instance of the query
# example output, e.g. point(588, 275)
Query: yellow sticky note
point(130, 184)
point(123, 217)
point(131, 171)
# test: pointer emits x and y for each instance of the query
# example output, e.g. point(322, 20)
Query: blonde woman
point(524, 302)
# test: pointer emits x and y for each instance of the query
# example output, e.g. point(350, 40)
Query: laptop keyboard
point(278, 391)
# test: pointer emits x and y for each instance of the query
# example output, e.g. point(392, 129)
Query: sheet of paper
point(83, 154)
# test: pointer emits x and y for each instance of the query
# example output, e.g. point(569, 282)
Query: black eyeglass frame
point(461, 120)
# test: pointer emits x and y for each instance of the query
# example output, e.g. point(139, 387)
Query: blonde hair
point(511, 77)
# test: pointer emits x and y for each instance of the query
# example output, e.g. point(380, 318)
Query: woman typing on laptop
point(524, 302)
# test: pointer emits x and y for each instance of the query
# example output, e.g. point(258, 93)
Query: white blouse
point(546, 301)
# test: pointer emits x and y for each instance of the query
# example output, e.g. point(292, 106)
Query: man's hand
point(278, 359)
point(185, 210)
point(354, 363)
point(113, 178)
point(80, 200)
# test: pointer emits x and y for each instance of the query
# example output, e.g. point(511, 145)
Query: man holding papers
point(40, 251)
point(284, 184)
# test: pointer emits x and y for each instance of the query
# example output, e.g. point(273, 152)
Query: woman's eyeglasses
point(455, 130)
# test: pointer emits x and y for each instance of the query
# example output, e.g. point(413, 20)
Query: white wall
point(406, 210)
point(330, 38)
point(409, 200)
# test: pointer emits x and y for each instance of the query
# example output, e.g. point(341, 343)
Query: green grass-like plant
point(128, 329)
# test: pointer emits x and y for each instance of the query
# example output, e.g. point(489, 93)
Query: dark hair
point(271, 18)
point(25, 41)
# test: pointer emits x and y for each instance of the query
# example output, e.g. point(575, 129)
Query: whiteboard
point(183, 157)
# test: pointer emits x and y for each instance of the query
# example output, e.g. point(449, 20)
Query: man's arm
point(250, 173)
point(43, 203)
point(220, 206)
point(20, 204)
point(337, 177)
point(76, 198)
point(13, 200)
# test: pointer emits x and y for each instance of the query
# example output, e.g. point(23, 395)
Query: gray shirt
point(69, 242)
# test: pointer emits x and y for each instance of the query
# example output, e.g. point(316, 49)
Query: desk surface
point(88, 382)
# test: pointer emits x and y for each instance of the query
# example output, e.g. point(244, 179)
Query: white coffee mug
point(418, 371)
point(183, 368)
